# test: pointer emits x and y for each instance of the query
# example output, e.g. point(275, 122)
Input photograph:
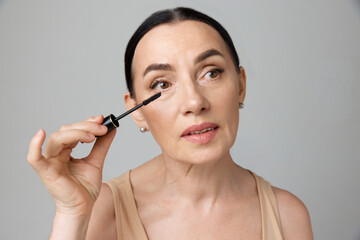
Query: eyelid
point(211, 66)
point(154, 78)
point(219, 70)
point(154, 83)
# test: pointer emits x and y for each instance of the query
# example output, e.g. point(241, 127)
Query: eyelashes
point(163, 83)
point(214, 73)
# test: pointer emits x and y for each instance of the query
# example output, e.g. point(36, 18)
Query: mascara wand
point(112, 122)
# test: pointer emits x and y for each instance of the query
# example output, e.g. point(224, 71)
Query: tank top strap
point(128, 223)
point(270, 216)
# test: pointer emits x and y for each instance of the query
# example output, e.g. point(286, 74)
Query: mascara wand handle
point(110, 122)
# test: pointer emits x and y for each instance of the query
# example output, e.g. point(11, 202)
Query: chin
point(204, 156)
point(193, 153)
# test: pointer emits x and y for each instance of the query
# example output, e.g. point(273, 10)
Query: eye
point(160, 84)
point(214, 73)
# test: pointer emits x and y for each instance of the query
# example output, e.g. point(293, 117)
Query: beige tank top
point(130, 227)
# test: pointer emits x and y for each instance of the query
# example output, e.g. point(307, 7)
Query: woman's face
point(196, 118)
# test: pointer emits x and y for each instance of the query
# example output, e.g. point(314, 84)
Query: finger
point(34, 157)
point(92, 127)
point(66, 139)
point(64, 155)
point(97, 119)
point(100, 149)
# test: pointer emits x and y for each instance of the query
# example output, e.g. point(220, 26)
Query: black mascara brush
point(112, 122)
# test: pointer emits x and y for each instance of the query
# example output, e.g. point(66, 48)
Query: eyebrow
point(198, 59)
point(157, 66)
point(207, 54)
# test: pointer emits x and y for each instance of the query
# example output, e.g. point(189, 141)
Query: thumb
point(100, 149)
point(34, 157)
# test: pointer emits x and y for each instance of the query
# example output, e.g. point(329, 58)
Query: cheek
point(226, 104)
point(155, 115)
point(160, 118)
point(226, 97)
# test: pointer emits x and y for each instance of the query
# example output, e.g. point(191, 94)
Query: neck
point(199, 183)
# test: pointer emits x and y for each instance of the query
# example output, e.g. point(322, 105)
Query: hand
point(73, 183)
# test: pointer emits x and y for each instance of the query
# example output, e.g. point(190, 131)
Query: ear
point(137, 116)
point(242, 84)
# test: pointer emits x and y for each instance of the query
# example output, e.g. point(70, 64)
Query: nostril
point(196, 109)
point(194, 102)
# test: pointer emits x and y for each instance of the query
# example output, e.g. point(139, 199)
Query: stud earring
point(143, 129)
point(241, 105)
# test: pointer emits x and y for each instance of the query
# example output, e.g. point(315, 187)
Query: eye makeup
point(157, 82)
point(216, 71)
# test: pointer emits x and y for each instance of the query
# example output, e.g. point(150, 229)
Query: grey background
point(62, 61)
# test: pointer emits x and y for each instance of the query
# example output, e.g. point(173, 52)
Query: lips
point(202, 133)
point(197, 129)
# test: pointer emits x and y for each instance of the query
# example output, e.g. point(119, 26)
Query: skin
point(191, 190)
point(73, 183)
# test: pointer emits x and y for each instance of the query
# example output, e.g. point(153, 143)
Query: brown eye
point(213, 73)
point(164, 85)
point(160, 85)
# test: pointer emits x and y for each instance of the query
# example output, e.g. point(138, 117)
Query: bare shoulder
point(102, 224)
point(294, 216)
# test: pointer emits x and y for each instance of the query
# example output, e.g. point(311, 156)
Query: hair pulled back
point(172, 16)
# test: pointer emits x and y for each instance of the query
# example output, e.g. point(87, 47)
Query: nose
point(193, 99)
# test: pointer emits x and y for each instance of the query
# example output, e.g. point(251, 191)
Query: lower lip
point(202, 138)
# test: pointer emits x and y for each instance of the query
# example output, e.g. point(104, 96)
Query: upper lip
point(199, 127)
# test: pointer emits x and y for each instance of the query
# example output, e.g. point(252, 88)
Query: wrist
point(69, 226)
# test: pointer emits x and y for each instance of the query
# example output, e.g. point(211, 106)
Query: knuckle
point(29, 159)
point(55, 137)
point(64, 127)
point(51, 175)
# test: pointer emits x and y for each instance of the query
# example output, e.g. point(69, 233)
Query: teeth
point(200, 132)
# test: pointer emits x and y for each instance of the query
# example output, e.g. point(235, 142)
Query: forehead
point(174, 42)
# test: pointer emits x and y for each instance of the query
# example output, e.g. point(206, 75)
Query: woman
point(193, 190)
